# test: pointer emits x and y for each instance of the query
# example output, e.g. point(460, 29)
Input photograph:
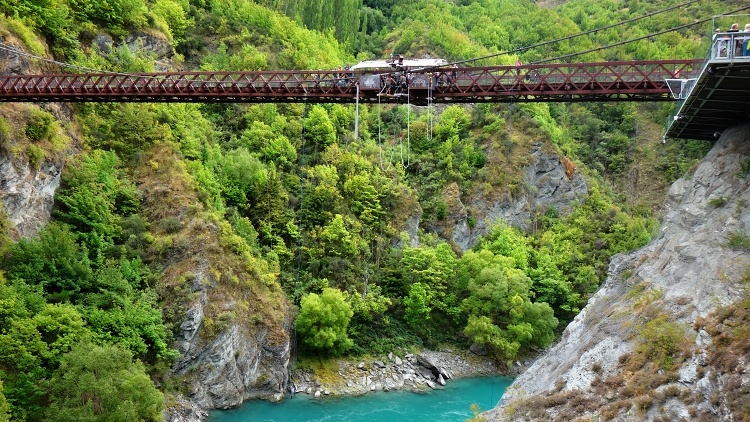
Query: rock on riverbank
point(423, 370)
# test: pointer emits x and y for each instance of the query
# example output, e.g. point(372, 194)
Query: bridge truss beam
point(607, 81)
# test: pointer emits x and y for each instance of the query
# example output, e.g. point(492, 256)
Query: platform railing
point(730, 46)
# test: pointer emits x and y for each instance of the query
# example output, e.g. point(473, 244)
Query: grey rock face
point(154, 44)
point(184, 411)
point(241, 363)
point(550, 185)
point(546, 185)
point(27, 194)
point(689, 265)
point(151, 44)
point(11, 62)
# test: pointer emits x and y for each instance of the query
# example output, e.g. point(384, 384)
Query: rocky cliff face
point(645, 347)
point(549, 181)
point(232, 317)
point(239, 364)
point(242, 361)
point(27, 194)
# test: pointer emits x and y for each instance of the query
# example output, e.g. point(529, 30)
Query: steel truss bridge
point(605, 81)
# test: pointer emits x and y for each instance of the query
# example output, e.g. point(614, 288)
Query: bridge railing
point(730, 46)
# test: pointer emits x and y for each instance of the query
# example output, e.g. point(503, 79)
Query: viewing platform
point(719, 97)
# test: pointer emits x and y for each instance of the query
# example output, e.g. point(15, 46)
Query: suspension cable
point(676, 28)
point(429, 108)
point(569, 37)
point(13, 49)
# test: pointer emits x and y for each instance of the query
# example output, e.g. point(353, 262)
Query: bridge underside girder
point(717, 101)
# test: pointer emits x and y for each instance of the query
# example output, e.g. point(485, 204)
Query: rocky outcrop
point(243, 361)
point(238, 364)
point(231, 316)
point(689, 271)
point(549, 181)
point(182, 410)
point(27, 194)
point(152, 44)
point(424, 370)
point(11, 62)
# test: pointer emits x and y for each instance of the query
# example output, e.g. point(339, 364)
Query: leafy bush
point(95, 382)
point(174, 15)
point(323, 320)
point(118, 15)
point(36, 155)
point(663, 341)
point(717, 202)
point(39, 125)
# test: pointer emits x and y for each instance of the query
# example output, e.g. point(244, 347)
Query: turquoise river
point(449, 404)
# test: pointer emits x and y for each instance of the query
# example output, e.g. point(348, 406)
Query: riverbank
point(422, 370)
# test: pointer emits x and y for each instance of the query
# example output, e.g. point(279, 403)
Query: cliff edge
point(659, 339)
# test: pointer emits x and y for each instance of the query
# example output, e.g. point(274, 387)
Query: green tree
point(53, 261)
point(94, 196)
point(174, 15)
point(102, 383)
point(319, 129)
point(501, 314)
point(322, 198)
point(433, 267)
point(4, 407)
point(508, 241)
point(363, 200)
point(323, 320)
point(417, 305)
point(32, 342)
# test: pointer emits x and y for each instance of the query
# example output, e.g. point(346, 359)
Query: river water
point(449, 404)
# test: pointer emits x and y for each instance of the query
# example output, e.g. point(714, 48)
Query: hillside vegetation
point(288, 208)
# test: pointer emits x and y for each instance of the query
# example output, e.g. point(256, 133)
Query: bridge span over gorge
point(603, 81)
point(714, 92)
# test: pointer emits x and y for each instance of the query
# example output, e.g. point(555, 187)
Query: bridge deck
point(608, 81)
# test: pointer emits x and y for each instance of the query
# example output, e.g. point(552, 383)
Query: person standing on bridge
point(737, 47)
point(721, 42)
point(746, 44)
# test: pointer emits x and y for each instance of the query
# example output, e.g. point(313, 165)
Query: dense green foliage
point(323, 320)
point(109, 384)
point(84, 311)
point(74, 284)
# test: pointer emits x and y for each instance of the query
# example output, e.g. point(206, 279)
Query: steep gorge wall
point(233, 317)
point(549, 180)
point(641, 348)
